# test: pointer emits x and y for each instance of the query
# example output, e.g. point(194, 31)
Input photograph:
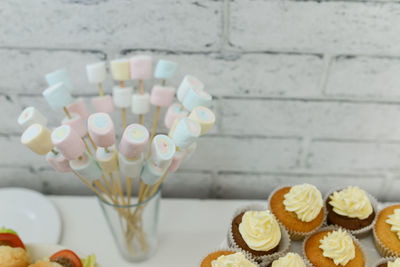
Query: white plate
point(31, 214)
point(40, 251)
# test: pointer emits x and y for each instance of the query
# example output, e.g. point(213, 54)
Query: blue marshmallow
point(185, 132)
point(59, 76)
point(57, 96)
point(165, 69)
point(151, 173)
point(195, 98)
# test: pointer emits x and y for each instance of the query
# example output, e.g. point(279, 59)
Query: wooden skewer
point(141, 92)
point(121, 84)
point(153, 130)
point(101, 92)
point(157, 185)
point(54, 152)
point(123, 118)
point(91, 141)
point(120, 191)
point(67, 112)
point(128, 184)
point(86, 146)
point(90, 186)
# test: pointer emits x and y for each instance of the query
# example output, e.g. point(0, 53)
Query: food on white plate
point(66, 258)
point(12, 250)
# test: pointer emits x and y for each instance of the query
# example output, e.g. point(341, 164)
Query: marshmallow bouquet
point(85, 144)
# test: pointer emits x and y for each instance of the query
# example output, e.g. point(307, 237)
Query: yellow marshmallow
point(120, 69)
point(38, 139)
point(204, 116)
point(108, 160)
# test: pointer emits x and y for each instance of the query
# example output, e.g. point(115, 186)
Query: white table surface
point(188, 230)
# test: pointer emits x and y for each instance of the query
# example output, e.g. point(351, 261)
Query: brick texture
point(304, 91)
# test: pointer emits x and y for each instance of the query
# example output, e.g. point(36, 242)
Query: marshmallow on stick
point(58, 161)
point(162, 153)
point(96, 73)
point(59, 76)
point(101, 129)
point(188, 82)
point(174, 112)
point(131, 147)
point(37, 138)
point(79, 107)
point(141, 69)
point(161, 95)
point(29, 116)
point(120, 72)
point(58, 98)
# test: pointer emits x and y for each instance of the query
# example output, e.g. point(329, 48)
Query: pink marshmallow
point(176, 161)
point(101, 129)
point(58, 162)
point(103, 104)
point(77, 124)
point(133, 141)
point(162, 96)
point(79, 107)
point(174, 112)
point(141, 67)
point(68, 142)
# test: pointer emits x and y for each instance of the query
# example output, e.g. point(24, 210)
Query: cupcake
point(351, 208)
point(387, 231)
point(388, 262)
point(227, 258)
point(255, 230)
point(331, 247)
point(299, 208)
point(289, 260)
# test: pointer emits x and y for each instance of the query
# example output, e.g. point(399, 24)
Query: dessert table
point(188, 230)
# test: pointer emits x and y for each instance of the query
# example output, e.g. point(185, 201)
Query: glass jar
point(134, 226)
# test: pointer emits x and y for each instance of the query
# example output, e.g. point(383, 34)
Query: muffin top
point(232, 260)
point(260, 230)
point(305, 201)
point(351, 202)
point(290, 260)
point(338, 246)
point(394, 221)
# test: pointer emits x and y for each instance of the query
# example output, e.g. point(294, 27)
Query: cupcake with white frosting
point(289, 260)
point(299, 208)
point(255, 230)
point(334, 247)
point(228, 258)
point(351, 208)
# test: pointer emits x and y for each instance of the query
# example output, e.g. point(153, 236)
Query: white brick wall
point(305, 91)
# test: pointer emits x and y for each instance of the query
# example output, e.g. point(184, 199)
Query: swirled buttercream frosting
point(351, 202)
point(260, 230)
point(290, 260)
point(338, 246)
point(305, 200)
point(394, 221)
point(232, 260)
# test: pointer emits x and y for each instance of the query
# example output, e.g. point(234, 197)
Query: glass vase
point(134, 226)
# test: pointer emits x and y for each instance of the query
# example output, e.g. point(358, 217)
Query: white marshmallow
point(140, 104)
point(122, 96)
point(29, 116)
point(130, 167)
point(96, 72)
